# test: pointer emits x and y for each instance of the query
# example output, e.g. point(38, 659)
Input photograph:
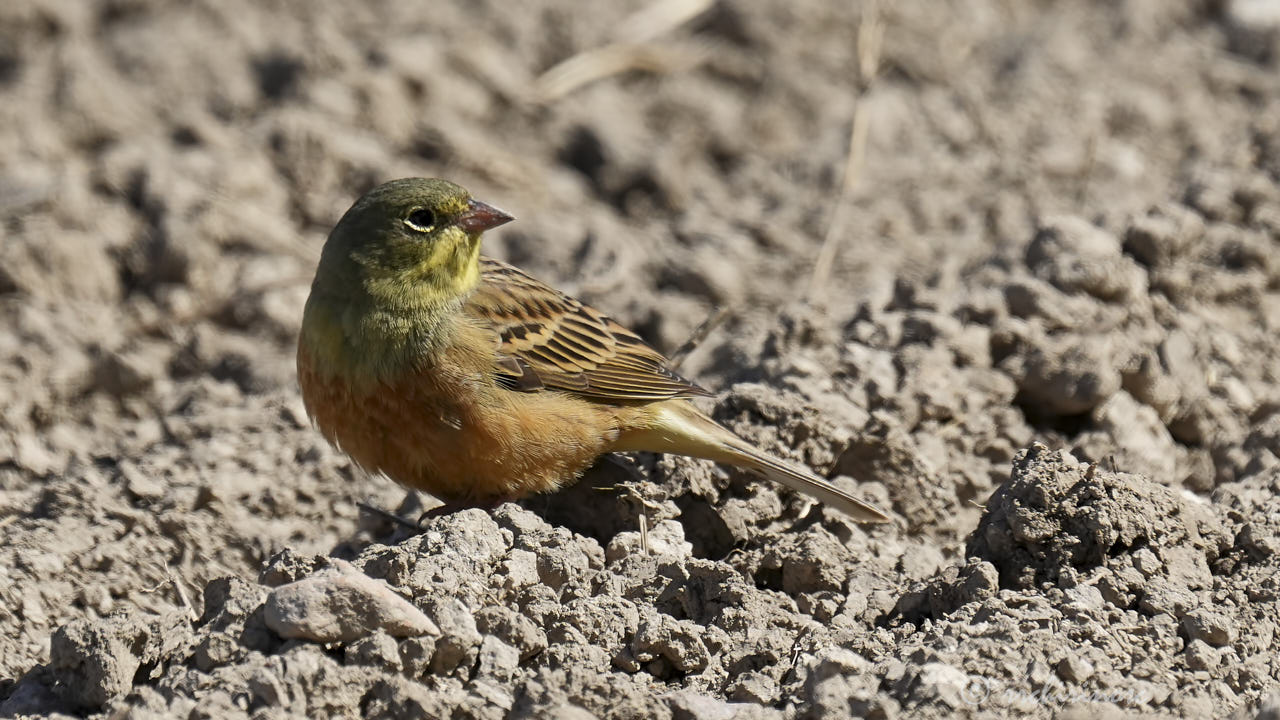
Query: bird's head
point(409, 240)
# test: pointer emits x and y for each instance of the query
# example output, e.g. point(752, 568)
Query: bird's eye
point(422, 220)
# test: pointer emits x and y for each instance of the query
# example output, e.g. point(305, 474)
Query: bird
point(462, 376)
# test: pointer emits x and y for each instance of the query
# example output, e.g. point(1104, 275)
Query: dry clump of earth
point(1047, 345)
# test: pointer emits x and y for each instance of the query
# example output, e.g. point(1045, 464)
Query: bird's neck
point(380, 332)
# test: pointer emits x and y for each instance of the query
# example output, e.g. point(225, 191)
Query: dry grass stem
point(182, 595)
point(172, 579)
point(696, 338)
point(644, 534)
point(632, 49)
point(870, 43)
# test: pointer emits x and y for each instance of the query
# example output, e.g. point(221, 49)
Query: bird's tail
point(678, 427)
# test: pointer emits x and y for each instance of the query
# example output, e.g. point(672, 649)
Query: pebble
point(341, 606)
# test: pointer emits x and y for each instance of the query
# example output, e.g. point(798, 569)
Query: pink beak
point(480, 217)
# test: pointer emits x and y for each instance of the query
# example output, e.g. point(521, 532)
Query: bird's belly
point(461, 442)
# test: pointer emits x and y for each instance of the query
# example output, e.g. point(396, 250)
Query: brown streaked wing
point(548, 339)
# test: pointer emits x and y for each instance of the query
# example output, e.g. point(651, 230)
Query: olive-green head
point(407, 241)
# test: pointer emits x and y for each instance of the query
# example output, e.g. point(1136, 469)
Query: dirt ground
point(1047, 343)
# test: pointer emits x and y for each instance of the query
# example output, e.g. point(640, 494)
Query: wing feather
point(547, 339)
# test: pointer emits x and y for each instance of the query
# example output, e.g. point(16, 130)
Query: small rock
point(459, 639)
point(95, 661)
point(32, 454)
point(216, 649)
point(497, 660)
point(753, 687)
point(1200, 656)
point(1163, 597)
point(821, 606)
point(563, 559)
point(122, 374)
point(141, 485)
point(1076, 255)
point(288, 566)
point(1133, 435)
point(686, 705)
point(1257, 541)
point(1065, 376)
point(233, 609)
point(1146, 562)
point(950, 590)
point(1086, 596)
point(1210, 626)
point(33, 606)
point(939, 682)
point(492, 694)
point(342, 605)
point(520, 568)
point(378, 650)
point(1270, 708)
point(814, 563)
point(1037, 673)
point(416, 654)
point(266, 687)
point(566, 712)
point(1163, 235)
point(512, 628)
point(1074, 668)
point(1056, 516)
point(663, 637)
point(836, 662)
point(1253, 29)
point(396, 697)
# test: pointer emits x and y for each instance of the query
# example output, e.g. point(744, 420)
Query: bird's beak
point(481, 216)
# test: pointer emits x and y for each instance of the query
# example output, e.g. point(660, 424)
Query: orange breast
point(449, 430)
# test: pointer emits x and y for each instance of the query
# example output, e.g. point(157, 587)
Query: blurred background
point(169, 170)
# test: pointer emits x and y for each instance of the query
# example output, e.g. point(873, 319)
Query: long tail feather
point(806, 482)
point(678, 427)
